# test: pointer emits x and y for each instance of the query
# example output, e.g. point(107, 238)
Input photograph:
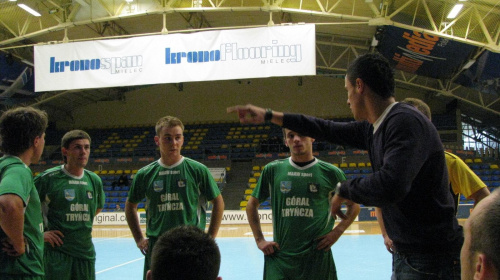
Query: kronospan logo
point(116, 65)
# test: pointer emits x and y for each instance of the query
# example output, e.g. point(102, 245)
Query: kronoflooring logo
point(270, 54)
point(116, 65)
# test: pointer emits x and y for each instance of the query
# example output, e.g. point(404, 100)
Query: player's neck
point(302, 158)
point(74, 170)
point(168, 161)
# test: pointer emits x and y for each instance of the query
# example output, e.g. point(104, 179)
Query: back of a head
point(185, 253)
point(19, 127)
point(420, 105)
point(375, 71)
point(485, 231)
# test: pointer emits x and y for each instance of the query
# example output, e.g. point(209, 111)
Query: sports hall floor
point(359, 254)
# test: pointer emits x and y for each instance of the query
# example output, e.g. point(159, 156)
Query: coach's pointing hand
point(250, 114)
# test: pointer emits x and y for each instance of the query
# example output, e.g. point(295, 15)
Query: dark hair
point(376, 73)
point(420, 105)
point(485, 229)
point(19, 127)
point(167, 121)
point(185, 252)
point(72, 135)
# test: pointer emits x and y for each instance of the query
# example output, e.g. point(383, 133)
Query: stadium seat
point(243, 203)
point(248, 191)
point(343, 165)
point(478, 160)
point(252, 180)
point(252, 186)
point(352, 165)
point(468, 160)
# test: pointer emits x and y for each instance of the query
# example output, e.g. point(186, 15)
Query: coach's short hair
point(185, 252)
point(376, 73)
point(19, 127)
point(167, 121)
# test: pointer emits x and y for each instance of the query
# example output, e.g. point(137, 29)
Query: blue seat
point(111, 206)
point(141, 205)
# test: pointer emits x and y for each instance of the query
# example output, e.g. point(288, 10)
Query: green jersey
point(300, 207)
point(175, 195)
point(16, 178)
point(69, 205)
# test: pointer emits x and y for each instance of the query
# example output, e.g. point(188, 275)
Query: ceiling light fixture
point(29, 9)
point(454, 12)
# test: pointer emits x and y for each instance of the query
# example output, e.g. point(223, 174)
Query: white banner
point(230, 217)
point(204, 56)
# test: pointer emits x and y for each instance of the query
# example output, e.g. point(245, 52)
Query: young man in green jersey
point(71, 197)
point(300, 187)
point(177, 190)
point(22, 134)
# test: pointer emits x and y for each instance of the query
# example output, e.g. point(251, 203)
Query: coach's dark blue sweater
point(409, 182)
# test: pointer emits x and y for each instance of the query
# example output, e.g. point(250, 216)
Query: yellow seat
point(478, 160)
point(361, 164)
point(343, 165)
point(252, 186)
point(247, 197)
point(252, 180)
point(243, 203)
point(494, 166)
point(468, 160)
point(256, 174)
point(336, 164)
point(111, 172)
point(104, 172)
point(248, 191)
point(352, 165)
point(368, 164)
point(255, 168)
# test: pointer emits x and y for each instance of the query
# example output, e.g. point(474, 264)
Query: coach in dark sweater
point(410, 180)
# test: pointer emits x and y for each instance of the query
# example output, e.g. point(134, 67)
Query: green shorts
point(147, 259)
point(61, 266)
point(312, 265)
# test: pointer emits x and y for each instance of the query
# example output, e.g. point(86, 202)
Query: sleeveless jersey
point(16, 178)
point(69, 205)
point(175, 195)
